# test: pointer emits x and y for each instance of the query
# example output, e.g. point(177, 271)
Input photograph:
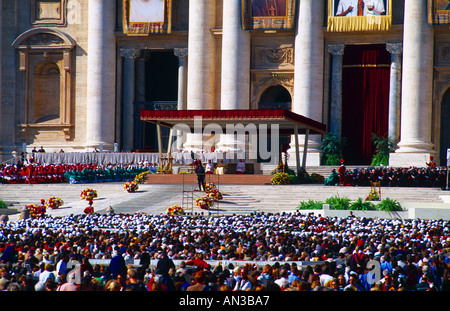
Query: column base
point(407, 159)
point(194, 142)
point(105, 146)
point(312, 159)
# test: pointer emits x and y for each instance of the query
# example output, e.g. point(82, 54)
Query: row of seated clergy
point(220, 168)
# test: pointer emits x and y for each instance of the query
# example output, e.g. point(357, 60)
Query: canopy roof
point(286, 120)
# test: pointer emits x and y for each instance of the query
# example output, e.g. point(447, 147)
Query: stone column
point(235, 79)
point(101, 74)
point(308, 74)
point(201, 62)
point(395, 90)
point(415, 146)
point(140, 75)
point(337, 51)
point(182, 54)
point(129, 74)
point(202, 55)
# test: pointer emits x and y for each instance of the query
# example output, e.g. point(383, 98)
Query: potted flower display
point(54, 202)
point(175, 210)
point(130, 186)
point(203, 202)
point(88, 194)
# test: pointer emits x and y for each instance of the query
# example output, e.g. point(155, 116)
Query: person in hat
point(431, 164)
point(41, 210)
point(341, 173)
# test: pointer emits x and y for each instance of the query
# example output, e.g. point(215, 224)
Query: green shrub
point(3, 204)
point(389, 205)
point(338, 203)
point(311, 204)
point(332, 147)
point(361, 205)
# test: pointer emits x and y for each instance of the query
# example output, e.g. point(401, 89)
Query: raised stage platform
point(226, 179)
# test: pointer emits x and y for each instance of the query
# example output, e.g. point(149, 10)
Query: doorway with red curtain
point(365, 100)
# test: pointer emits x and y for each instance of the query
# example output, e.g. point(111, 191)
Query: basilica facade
point(75, 74)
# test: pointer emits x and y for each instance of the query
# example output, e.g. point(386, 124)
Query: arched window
point(275, 97)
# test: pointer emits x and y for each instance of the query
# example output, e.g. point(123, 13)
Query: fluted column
point(129, 76)
point(202, 55)
point(182, 54)
point(101, 73)
point(308, 74)
point(140, 75)
point(415, 144)
point(337, 52)
point(201, 86)
point(235, 59)
point(235, 79)
point(395, 90)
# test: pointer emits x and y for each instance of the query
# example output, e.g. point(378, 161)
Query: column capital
point(336, 49)
point(394, 48)
point(130, 53)
point(180, 52)
point(143, 55)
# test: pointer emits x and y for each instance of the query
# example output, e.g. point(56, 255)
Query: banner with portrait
point(147, 16)
point(439, 12)
point(268, 14)
point(359, 15)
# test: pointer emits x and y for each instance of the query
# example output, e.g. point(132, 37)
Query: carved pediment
point(44, 39)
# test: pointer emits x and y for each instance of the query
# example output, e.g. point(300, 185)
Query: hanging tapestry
point(359, 15)
point(439, 12)
point(268, 14)
point(147, 16)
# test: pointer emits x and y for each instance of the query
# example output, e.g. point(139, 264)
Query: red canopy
point(286, 120)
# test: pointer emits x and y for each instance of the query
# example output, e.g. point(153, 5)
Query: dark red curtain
point(365, 99)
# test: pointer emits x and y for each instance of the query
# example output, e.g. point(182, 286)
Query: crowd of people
point(254, 252)
point(435, 177)
point(33, 173)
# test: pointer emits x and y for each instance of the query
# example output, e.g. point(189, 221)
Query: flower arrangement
point(54, 202)
point(164, 170)
point(204, 202)
point(210, 186)
point(139, 179)
point(215, 195)
point(280, 179)
point(175, 210)
point(90, 209)
point(373, 196)
point(88, 194)
point(130, 186)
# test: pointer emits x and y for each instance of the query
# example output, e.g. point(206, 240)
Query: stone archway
point(45, 64)
point(275, 97)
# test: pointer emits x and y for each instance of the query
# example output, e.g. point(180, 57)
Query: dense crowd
point(287, 251)
point(392, 177)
